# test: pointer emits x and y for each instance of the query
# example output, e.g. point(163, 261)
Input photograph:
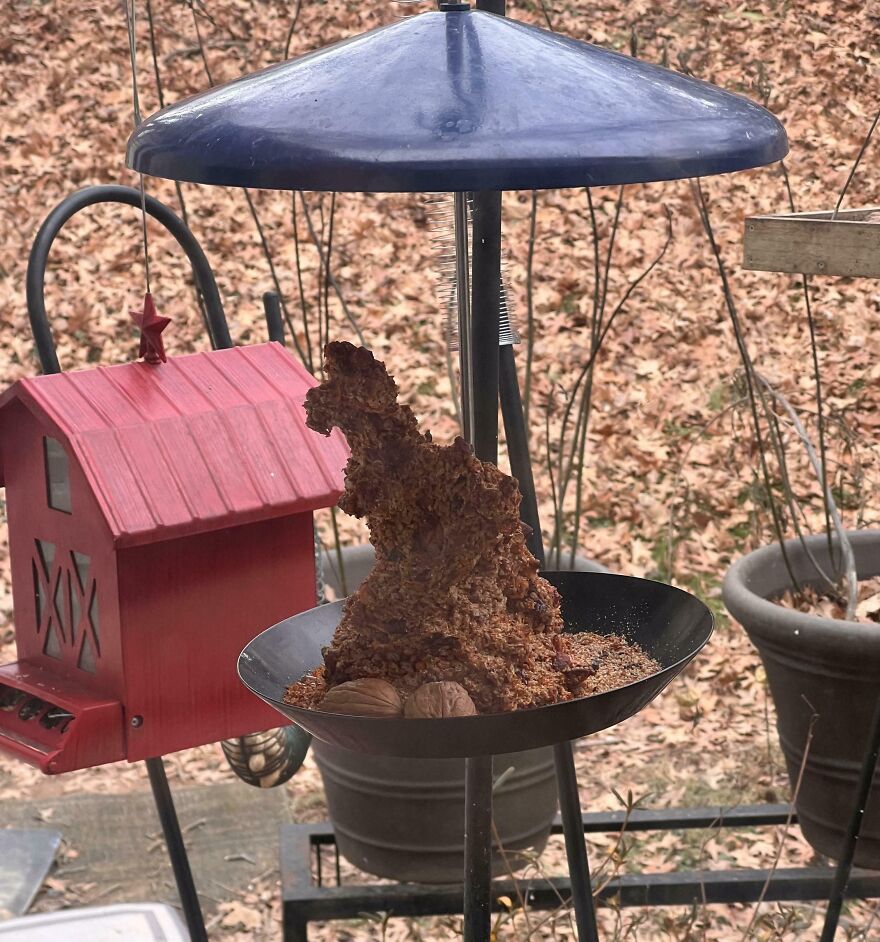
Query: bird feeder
point(158, 516)
point(468, 102)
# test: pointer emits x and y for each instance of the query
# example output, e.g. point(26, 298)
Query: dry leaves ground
point(661, 439)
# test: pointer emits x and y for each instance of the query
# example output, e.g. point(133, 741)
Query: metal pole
point(575, 844)
point(274, 318)
point(486, 372)
point(518, 451)
point(485, 317)
point(478, 849)
point(189, 899)
point(218, 329)
point(463, 299)
point(860, 801)
point(484, 360)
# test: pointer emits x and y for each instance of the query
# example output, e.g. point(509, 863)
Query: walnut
point(439, 699)
point(368, 696)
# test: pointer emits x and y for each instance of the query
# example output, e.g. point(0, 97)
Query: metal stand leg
point(575, 845)
point(478, 849)
point(189, 899)
point(518, 450)
point(860, 800)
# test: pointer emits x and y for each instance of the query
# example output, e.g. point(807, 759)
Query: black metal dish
point(671, 625)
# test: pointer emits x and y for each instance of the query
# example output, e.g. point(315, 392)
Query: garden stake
point(92, 710)
point(189, 898)
point(219, 335)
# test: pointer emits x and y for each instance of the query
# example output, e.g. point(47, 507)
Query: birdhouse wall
point(189, 606)
point(63, 564)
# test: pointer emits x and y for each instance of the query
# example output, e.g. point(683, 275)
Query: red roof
point(195, 444)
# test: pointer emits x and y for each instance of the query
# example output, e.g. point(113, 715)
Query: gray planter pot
point(404, 818)
point(822, 664)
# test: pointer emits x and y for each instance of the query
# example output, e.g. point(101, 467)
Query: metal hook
point(218, 329)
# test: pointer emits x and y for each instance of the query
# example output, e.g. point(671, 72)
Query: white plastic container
point(127, 922)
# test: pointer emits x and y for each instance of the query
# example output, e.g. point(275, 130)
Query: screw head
point(137, 721)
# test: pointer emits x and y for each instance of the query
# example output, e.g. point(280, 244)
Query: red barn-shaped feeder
point(159, 517)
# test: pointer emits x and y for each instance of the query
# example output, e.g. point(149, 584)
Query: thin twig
point(849, 562)
point(557, 509)
point(855, 165)
point(318, 243)
point(273, 274)
point(302, 293)
point(787, 826)
point(733, 315)
point(671, 541)
point(249, 199)
point(292, 29)
point(817, 377)
point(565, 472)
point(521, 899)
point(328, 254)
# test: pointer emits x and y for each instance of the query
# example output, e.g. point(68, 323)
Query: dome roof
point(457, 100)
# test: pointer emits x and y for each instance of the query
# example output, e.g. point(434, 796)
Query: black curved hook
point(218, 329)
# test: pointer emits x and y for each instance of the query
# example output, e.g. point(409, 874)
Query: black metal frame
point(306, 899)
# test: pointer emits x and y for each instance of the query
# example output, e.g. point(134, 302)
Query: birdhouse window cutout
point(67, 606)
point(57, 475)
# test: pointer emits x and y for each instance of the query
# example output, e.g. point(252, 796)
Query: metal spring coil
point(440, 212)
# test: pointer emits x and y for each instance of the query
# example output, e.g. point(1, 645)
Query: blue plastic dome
point(459, 100)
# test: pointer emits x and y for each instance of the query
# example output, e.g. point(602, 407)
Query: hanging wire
point(131, 22)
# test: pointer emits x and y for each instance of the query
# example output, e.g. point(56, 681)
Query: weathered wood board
point(814, 243)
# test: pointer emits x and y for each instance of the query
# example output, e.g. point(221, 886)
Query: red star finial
point(151, 324)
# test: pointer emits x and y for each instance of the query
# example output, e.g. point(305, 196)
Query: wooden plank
point(814, 243)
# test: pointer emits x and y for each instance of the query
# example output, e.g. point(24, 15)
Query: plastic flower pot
point(404, 818)
point(819, 664)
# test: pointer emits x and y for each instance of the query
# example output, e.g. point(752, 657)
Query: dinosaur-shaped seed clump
point(454, 594)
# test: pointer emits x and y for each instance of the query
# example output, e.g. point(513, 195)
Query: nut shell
point(367, 696)
point(439, 699)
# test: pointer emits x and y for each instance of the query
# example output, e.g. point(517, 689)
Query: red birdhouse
point(160, 516)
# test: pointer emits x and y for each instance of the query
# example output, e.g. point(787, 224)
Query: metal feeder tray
point(668, 623)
